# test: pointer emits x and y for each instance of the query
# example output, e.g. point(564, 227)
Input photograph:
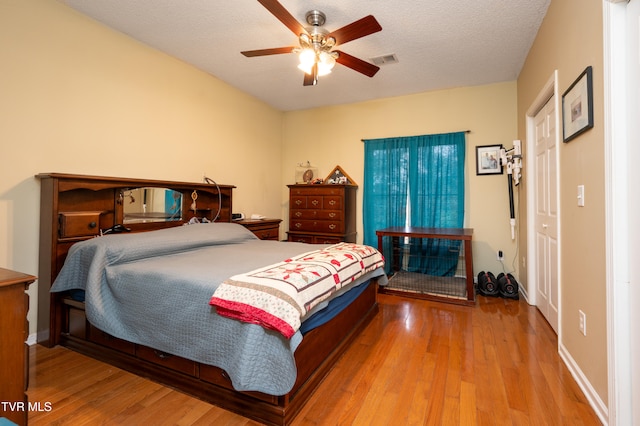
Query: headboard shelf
point(77, 207)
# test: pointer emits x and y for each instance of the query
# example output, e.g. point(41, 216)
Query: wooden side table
point(463, 234)
point(265, 229)
point(14, 329)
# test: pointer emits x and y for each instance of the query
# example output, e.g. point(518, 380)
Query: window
point(416, 181)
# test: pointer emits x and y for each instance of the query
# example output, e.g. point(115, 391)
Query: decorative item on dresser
point(265, 229)
point(322, 214)
point(14, 362)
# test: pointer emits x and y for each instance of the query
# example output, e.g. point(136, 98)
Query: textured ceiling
point(439, 43)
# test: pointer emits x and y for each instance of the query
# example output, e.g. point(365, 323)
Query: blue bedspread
point(153, 289)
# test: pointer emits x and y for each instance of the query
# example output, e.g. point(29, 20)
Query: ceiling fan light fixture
point(315, 54)
point(307, 59)
point(326, 62)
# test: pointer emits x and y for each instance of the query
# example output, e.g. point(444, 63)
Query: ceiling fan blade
point(284, 16)
point(356, 64)
point(360, 28)
point(264, 52)
point(311, 79)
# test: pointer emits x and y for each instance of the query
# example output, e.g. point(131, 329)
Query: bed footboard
point(315, 357)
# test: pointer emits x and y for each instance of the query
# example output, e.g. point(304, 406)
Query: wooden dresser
point(322, 214)
point(265, 229)
point(14, 359)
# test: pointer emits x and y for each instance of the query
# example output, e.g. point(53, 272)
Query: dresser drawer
point(267, 234)
point(317, 226)
point(217, 376)
point(79, 224)
point(173, 362)
point(308, 214)
point(314, 239)
point(332, 202)
point(298, 202)
point(300, 238)
point(265, 229)
point(316, 202)
point(317, 190)
point(105, 339)
point(324, 239)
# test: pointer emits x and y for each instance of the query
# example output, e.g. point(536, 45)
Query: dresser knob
point(332, 202)
point(297, 224)
point(332, 227)
point(298, 202)
point(298, 214)
point(92, 225)
point(332, 215)
point(314, 202)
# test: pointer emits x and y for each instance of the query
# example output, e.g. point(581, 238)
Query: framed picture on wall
point(488, 160)
point(577, 106)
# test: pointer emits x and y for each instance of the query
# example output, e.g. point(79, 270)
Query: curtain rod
point(465, 131)
point(461, 131)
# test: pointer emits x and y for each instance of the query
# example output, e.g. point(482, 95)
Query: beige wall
point(79, 98)
point(333, 136)
point(569, 40)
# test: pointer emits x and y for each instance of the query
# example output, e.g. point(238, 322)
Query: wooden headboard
point(78, 207)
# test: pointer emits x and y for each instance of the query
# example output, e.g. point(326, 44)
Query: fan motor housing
point(315, 18)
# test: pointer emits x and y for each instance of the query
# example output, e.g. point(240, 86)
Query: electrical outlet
point(500, 255)
point(582, 326)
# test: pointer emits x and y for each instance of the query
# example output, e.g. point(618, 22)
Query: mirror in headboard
point(147, 204)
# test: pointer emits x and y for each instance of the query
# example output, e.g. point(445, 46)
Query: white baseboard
point(32, 339)
point(589, 392)
point(38, 337)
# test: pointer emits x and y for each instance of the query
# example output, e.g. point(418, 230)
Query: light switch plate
point(580, 195)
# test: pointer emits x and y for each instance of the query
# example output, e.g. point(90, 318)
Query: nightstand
point(14, 329)
point(265, 229)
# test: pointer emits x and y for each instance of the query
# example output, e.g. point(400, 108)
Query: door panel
point(546, 208)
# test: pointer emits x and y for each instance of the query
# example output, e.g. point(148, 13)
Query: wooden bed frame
point(76, 207)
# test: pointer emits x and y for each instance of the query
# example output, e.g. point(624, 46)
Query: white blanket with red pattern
point(278, 296)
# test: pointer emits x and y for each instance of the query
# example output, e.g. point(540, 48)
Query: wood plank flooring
point(418, 362)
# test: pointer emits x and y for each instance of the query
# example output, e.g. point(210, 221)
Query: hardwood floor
point(418, 362)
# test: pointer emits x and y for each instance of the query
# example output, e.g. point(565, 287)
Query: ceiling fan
point(315, 51)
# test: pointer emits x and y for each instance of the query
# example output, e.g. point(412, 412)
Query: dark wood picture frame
point(488, 160)
point(577, 106)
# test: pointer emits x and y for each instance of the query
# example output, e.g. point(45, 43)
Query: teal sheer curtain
point(419, 181)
